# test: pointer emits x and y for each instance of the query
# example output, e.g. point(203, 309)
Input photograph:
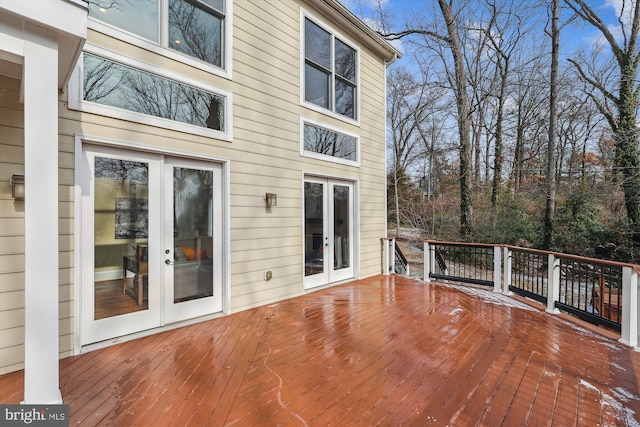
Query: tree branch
point(586, 13)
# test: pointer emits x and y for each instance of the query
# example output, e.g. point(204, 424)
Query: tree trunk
point(627, 156)
point(553, 126)
point(464, 126)
point(497, 160)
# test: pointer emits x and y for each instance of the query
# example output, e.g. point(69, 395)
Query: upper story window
point(129, 92)
point(330, 77)
point(320, 142)
point(191, 27)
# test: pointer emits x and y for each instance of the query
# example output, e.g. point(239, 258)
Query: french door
point(328, 231)
point(151, 241)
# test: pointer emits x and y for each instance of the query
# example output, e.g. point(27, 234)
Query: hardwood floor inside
point(111, 300)
point(386, 351)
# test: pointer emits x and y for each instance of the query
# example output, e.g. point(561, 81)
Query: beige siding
point(11, 229)
point(12, 236)
point(264, 156)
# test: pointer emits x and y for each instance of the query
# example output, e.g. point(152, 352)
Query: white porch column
point(630, 305)
point(497, 269)
point(40, 81)
point(553, 284)
point(427, 262)
point(507, 255)
point(386, 264)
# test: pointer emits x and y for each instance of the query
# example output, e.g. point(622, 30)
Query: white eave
point(354, 26)
point(66, 19)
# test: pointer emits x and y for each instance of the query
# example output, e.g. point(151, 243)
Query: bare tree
point(458, 83)
point(409, 103)
point(553, 125)
point(619, 105)
point(529, 114)
point(508, 23)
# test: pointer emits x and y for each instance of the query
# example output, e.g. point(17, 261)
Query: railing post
point(427, 262)
point(553, 284)
point(385, 256)
point(630, 302)
point(392, 256)
point(506, 278)
point(497, 269)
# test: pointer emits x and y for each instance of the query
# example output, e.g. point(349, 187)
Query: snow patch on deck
point(622, 411)
point(488, 296)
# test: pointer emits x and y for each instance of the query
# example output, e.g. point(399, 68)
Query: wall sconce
point(271, 199)
point(17, 187)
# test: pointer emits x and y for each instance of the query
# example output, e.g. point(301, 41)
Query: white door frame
point(111, 327)
point(175, 312)
point(102, 145)
point(329, 274)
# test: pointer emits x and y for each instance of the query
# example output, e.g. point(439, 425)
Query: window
point(193, 27)
point(329, 71)
point(326, 142)
point(116, 85)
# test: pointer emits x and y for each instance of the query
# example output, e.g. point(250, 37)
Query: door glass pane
point(193, 234)
point(121, 224)
point(341, 227)
point(313, 228)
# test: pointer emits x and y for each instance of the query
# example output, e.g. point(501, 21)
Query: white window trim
point(318, 156)
point(346, 40)
point(76, 102)
point(226, 71)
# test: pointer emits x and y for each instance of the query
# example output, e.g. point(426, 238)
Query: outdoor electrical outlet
point(268, 275)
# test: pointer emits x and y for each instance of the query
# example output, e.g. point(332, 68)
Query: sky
point(572, 37)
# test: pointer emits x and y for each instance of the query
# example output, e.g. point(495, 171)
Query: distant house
point(182, 160)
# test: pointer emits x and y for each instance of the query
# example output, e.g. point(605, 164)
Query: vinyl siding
point(11, 229)
point(12, 236)
point(264, 156)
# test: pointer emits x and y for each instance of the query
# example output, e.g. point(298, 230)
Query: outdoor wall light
point(271, 199)
point(17, 187)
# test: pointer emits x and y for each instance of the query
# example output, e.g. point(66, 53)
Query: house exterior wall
point(263, 155)
point(11, 228)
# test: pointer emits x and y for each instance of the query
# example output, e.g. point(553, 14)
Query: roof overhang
point(65, 19)
point(356, 28)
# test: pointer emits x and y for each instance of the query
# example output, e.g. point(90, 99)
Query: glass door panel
point(121, 232)
point(193, 275)
point(328, 231)
point(120, 285)
point(193, 234)
point(314, 226)
point(342, 230)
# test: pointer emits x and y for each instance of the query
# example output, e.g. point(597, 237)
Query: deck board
point(385, 351)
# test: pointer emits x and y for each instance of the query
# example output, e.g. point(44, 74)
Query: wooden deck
point(384, 351)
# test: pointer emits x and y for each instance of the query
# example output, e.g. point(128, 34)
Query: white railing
point(393, 261)
point(599, 291)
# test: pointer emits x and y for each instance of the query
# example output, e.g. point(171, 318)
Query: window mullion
point(164, 23)
point(332, 91)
